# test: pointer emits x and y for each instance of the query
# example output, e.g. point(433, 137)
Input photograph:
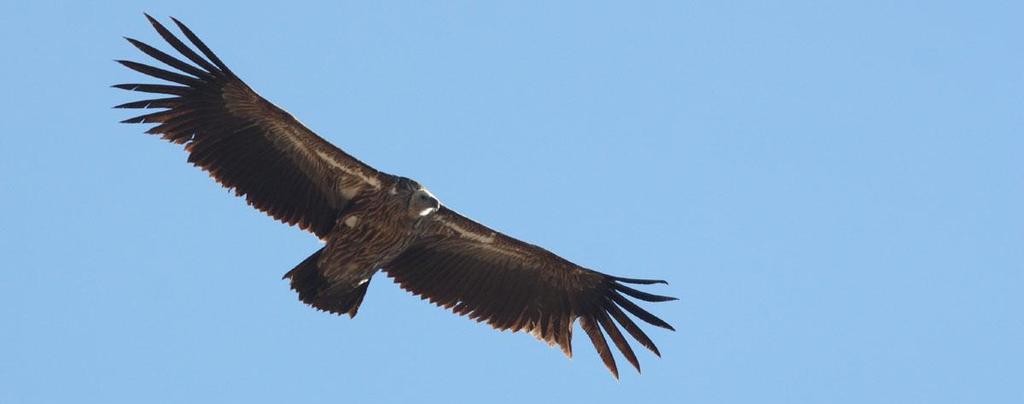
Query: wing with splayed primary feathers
point(242, 140)
point(464, 266)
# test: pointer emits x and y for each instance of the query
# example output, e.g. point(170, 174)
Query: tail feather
point(324, 293)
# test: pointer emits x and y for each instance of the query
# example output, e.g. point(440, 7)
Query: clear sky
point(834, 191)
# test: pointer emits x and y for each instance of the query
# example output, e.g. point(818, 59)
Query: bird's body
point(373, 221)
point(335, 278)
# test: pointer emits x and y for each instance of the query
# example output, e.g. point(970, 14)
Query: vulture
point(373, 221)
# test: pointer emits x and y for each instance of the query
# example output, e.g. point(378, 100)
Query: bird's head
point(421, 203)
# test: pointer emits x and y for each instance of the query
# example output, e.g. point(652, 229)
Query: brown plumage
point(374, 221)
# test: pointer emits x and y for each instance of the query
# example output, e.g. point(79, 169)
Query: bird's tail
point(323, 293)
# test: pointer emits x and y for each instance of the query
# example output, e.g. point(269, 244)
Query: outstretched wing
point(464, 266)
point(243, 141)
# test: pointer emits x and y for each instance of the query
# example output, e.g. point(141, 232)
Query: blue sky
point(833, 190)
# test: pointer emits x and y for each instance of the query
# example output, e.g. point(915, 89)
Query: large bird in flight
point(371, 220)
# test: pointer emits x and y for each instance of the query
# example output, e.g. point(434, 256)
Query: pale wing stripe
point(373, 182)
point(488, 239)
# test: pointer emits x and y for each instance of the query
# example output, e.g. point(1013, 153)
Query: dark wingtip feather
point(168, 59)
point(154, 88)
point(642, 295)
point(620, 341)
point(640, 312)
point(639, 281)
point(124, 63)
point(632, 328)
point(159, 73)
point(597, 338)
point(152, 103)
point(182, 48)
point(192, 37)
point(133, 104)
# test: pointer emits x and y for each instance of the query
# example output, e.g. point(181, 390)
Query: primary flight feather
point(371, 220)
